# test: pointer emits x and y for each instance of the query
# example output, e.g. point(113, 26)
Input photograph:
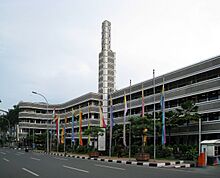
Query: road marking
point(63, 159)
point(30, 172)
point(6, 159)
point(81, 170)
point(2, 153)
point(35, 159)
point(99, 165)
point(173, 169)
point(17, 154)
point(21, 153)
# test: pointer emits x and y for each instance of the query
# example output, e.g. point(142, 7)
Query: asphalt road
point(19, 164)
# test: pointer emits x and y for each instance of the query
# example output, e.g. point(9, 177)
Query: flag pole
point(58, 132)
point(163, 115)
point(110, 131)
point(129, 153)
point(64, 146)
point(124, 122)
point(51, 135)
point(154, 115)
point(71, 143)
point(72, 137)
point(88, 143)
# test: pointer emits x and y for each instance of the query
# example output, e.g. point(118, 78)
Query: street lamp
point(36, 93)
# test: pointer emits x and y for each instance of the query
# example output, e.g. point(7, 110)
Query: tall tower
point(106, 67)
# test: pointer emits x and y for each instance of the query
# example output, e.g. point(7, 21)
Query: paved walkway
point(125, 160)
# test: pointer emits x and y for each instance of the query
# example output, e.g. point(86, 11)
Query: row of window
point(109, 66)
point(215, 73)
point(69, 109)
point(211, 116)
point(209, 96)
point(110, 72)
point(110, 60)
point(109, 79)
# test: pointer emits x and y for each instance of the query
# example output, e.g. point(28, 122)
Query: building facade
point(35, 119)
point(199, 83)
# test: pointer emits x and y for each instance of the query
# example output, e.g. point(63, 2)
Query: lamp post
point(36, 93)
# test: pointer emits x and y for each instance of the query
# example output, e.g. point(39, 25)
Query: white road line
point(2, 153)
point(35, 159)
point(81, 170)
point(63, 159)
point(17, 154)
point(174, 169)
point(99, 165)
point(6, 159)
point(21, 153)
point(30, 172)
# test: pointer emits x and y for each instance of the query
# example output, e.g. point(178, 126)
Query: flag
point(62, 136)
point(73, 139)
point(142, 113)
point(80, 128)
point(111, 114)
point(89, 138)
point(65, 122)
point(111, 125)
point(57, 120)
point(124, 125)
point(54, 113)
point(101, 117)
point(162, 103)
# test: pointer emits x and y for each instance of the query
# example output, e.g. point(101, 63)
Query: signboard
point(102, 141)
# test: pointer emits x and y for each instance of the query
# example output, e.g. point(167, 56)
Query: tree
point(3, 123)
point(12, 115)
point(171, 122)
point(188, 112)
point(141, 126)
point(117, 133)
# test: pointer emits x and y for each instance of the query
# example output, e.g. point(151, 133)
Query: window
point(213, 116)
point(202, 97)
point(217, 150)
point(213, 95)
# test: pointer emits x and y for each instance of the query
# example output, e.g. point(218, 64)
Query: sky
point(52, 46)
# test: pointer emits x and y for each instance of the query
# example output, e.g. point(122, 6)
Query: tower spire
point(106, 67)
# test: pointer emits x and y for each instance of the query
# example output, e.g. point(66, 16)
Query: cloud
point(52, 46)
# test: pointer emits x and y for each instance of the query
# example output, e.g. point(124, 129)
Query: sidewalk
point(125, 160)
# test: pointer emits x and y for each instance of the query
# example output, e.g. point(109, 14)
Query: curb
point(174, 164)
